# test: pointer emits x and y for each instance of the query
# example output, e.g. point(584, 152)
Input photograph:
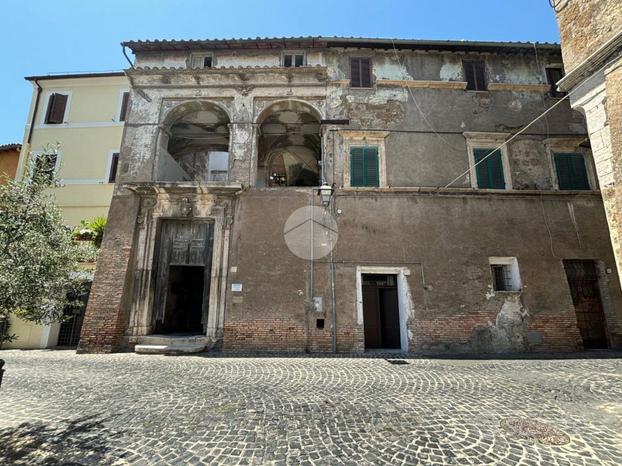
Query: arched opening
point(195, 144)
point(289, 148)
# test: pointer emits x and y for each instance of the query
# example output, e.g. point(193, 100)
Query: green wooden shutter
point(364, 167)
point(489, 173)
point(571, 172)
point(357, 166)
point(372, 175)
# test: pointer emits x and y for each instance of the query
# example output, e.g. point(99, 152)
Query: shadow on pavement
point(70, 442)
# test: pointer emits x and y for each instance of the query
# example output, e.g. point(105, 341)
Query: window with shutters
point(505, 274)
point(475, 74)
point(571, 171)
point(201, 60)
point(56, 108)
point(553, 75)
point(293, 59)
point(361, 72)
point(114, 165)
point(364, 167)
point(489, 172)
point(125, 100)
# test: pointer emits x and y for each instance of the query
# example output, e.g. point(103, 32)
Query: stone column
point(600, 99)
point(242, 161)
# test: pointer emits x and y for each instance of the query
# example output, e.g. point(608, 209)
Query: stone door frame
point(193, 203)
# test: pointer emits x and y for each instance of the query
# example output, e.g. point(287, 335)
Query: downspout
point(34, 112)
point(126, 57)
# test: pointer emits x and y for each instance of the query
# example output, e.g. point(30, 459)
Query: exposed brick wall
point(559, 332)
point(106, 315)
point(288, 335)
point(585, 25)
point(264, 335)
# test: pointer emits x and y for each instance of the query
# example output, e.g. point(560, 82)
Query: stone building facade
point(591, 40)
point(326, 194)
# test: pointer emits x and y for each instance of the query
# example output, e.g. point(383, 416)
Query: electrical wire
point(421, 112)
point(522, 130)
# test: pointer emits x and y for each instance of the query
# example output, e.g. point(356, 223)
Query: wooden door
point(371, 316)
point(389, 317)
point(182, 243)
point(583, 282)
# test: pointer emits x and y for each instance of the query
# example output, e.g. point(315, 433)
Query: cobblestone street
point(58, 407)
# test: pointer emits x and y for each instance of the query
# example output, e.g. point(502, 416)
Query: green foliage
point(91, 230)
point(38, 259)
point(5, 335)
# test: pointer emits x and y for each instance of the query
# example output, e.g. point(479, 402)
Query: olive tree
point(39, 263)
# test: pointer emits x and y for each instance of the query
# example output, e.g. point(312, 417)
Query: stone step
point(169, 349)
point(172, 339)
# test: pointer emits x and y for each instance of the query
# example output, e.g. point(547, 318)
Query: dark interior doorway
point(184, 300)
point(381, 311)
point(583, 281)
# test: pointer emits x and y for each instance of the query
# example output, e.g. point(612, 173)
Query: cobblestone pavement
point(57, 407)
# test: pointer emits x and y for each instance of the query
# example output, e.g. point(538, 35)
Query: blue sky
point(45, 36)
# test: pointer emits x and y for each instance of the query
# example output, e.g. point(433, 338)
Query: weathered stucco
point(420, 113)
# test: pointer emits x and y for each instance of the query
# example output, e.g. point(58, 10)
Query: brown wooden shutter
point(475, 75)
point(56, 109)
point(355, 72)
point(365, 72)
point(124, 103)
point(480, 75)
point(360, 72)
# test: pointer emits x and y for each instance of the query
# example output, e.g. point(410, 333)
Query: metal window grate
point(502, 275)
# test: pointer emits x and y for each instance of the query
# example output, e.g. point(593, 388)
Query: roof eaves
point(45, 77)
point(334, 41)
point(10, 147)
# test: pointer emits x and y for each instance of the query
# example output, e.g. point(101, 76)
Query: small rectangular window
point(571, 172)
point(364, 167)
point(44, 166)
point(489, 168)
point(293, 60)
point(360, 72)
point(218, 165)
point(114, 163)
point(553, 76)
point(475, 74)
point(124, 102)
point(199, 61)
point(55, 113)
point(505, 274)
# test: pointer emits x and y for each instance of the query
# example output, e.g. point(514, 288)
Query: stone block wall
point(585, 25)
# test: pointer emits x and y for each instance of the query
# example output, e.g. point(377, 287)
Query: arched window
point(195, 145)
point(289, 146)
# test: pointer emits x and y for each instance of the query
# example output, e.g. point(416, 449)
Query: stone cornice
point(607, 51)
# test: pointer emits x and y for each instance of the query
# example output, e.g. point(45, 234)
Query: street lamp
point(325, 192)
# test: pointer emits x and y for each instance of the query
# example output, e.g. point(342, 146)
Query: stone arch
point(193, 143)
point(289, 145)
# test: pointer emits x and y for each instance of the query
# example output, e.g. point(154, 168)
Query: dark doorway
point(381, 312)
point(184, 300)
point(183, 277)
point(583, 281)
point(69, 332)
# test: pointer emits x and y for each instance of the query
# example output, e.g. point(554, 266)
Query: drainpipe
point(34, 112)
point(126, 57)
